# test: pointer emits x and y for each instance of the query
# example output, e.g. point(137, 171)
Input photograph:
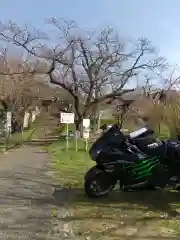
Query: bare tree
point(92, 67)
point(16, 90)
point(170, 99)
point(163, 105)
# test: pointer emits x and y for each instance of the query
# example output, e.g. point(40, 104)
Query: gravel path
point(26, 202)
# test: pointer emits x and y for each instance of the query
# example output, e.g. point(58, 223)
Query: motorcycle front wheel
point(98, 183)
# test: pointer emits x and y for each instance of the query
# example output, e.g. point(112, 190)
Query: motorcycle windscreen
point(112, 138)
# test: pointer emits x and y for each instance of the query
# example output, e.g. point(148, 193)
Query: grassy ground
point(22, 136)
point(71, 163)
point(145, 215)
point(15, 139)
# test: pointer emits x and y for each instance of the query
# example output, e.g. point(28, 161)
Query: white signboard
point(9, 116)
point(67, 118)
point(86, 123)
point(86, 128)
point(33, 116)
point(37, 111)
point(8, 122)
point(26, 119)
point(86, 134)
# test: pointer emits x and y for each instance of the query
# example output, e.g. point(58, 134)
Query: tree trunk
point(94, 118)
point(79, 127)
point(78, 124)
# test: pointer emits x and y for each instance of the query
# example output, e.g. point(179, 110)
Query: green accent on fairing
point(147, 164)
point(142, 169)
point(142, 163)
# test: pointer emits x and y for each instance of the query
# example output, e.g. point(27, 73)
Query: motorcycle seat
point(140, 133)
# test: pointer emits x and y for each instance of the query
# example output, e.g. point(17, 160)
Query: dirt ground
point(31, 207)
point(26, 201)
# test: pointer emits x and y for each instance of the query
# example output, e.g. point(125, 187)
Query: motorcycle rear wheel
point(98, 183)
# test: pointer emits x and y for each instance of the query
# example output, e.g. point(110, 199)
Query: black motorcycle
point(137, 160)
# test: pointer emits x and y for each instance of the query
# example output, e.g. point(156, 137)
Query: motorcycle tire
point(96, 178)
